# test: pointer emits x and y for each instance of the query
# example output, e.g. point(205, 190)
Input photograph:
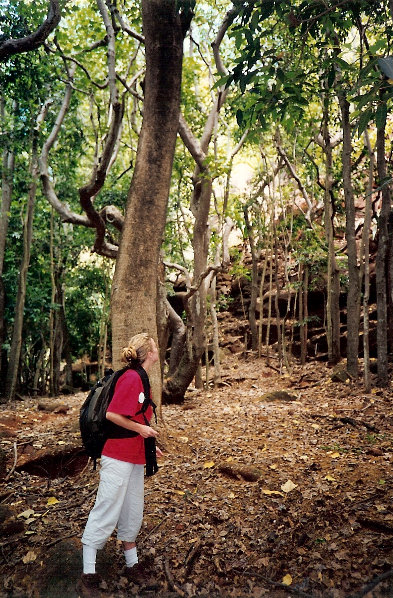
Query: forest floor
point(286, 494)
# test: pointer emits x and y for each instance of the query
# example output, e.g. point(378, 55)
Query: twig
point(276, 584)
point(173, 585)
point(191, 556)
point(371, 585)
point(377, 526)
point(5, 495)
point(155, 528)
point(78, 503)
point(7, 477)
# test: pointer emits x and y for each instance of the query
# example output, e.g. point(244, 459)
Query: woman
point(120, 494)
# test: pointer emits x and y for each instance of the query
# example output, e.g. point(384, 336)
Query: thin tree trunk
point(353, 300)
point(52, 391)
point(16, 341)
point(381, 263)
point(254, 282)
point(277, 293)
point(301, 314)
point(366, 262)
point(333, 276)
point(6, 195)
point(261, 293)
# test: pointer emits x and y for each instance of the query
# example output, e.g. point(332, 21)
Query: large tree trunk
point(353, 300)
point(134, 290)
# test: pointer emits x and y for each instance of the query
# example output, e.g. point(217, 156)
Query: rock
point(340, 374)
point(9, 523)
point(3, 463)
point(278, 395)
point(52, 406)
point(237, 471)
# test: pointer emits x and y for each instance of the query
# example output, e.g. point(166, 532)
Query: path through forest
point(260, 493)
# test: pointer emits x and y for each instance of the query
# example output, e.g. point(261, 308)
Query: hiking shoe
point(88, 585)
point(139, 575)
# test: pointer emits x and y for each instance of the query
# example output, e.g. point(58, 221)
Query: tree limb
point(33, 41)
point(65, 213)
point(191, 143)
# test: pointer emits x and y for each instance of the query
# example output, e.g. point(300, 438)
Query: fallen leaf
point(26, 514)
point(330, 478)
point(287, 580)
point(208, 464)
point(274, 466)
point(30, 557)
point(179, 492)
point(52, 500)
point(183, 438)
point(268, 492)
point(288, 486)
point(335, 455)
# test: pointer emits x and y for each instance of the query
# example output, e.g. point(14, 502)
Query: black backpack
point(96, 429)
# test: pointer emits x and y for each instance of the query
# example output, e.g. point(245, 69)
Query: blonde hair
point(137, 349)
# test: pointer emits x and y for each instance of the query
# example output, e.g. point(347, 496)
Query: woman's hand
point(147, 431)
point(159, 452)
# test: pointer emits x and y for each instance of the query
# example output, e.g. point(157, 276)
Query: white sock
point(89, 559)
point(131, 557)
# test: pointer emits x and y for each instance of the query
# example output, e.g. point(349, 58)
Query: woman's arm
point(124, 422)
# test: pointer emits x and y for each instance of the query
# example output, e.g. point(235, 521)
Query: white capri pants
point(119, 502)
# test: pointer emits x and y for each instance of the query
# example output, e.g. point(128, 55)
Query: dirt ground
point(260, 493)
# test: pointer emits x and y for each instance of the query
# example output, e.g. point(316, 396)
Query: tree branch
point(231, 14)
point(65, 213)
point(111, 53)
point(191, 143)
point(33, 41)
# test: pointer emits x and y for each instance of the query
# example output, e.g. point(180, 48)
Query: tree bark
point(254, 282)
point(6, 195)
point(382, 264)
point(16, 341)
point(333, 275)
point(134, 290)
point(353, 300)
point(366, 265)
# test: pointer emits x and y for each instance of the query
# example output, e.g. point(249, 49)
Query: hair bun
point(129, 353)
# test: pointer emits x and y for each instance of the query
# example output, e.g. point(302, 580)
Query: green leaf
point(380, 116)
point(364, 120)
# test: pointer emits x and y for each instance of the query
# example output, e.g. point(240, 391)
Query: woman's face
point(154, 352)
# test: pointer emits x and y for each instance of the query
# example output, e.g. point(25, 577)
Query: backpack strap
point(146, 391)
point(115, 431)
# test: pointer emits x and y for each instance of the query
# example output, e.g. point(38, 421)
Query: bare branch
point(294, 175)
point(33, 41)
point(192, 290)
point(191, 143)
point(231, 14)
point(65, 213)
point(181, 269)
point(111, 53)
point(125, 26)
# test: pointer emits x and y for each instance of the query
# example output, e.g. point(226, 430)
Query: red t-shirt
point(127, 400)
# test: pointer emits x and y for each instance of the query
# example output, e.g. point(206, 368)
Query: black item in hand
point(151, 457)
